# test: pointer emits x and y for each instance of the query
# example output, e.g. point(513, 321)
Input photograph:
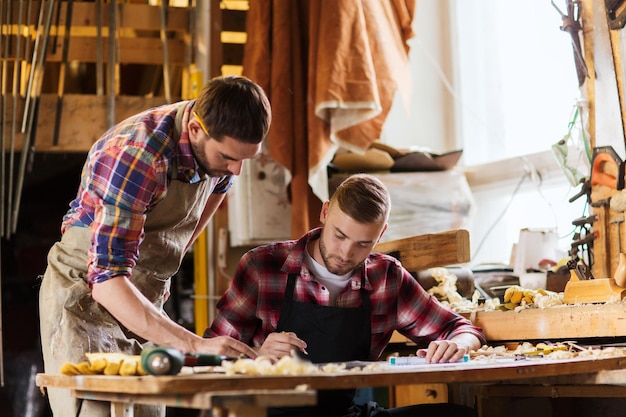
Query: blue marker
point(414, 360)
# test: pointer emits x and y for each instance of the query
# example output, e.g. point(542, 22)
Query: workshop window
point(498, 80)
point(517, 78)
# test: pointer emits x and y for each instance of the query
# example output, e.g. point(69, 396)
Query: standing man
point(328, 296)
point(148, 188)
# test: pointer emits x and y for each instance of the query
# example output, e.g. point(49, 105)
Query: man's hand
point(442, 351)
point(224, 345)
point(128, 305)
point(281, 344)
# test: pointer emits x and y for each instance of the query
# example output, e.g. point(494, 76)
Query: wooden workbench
point(251, 395)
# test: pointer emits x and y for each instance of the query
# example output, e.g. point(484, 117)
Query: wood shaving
point(288, 365)
point(559, 350)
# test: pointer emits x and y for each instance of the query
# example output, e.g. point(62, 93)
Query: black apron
point(332, 334)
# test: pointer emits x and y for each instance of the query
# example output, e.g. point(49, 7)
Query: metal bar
point(16, 77)
point(189, 66)
point(111, 70)
point(56, 25)
point(27, 43)
point(62, 70)
point(166, 58)
point(2, 203)
point(1, 340)
point(99, 52)
point(3, 116)
point(33, 64)
point(28, 146)
point(2, 144)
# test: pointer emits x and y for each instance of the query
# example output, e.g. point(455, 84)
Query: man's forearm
point(124, 302)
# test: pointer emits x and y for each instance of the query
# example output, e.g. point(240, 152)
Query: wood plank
point(139, 38)
point(202, 400)
point(430, 250)
point(83, 119)
point(132, 16)
point(467, 372)
point(563, 322)
point(131, 51)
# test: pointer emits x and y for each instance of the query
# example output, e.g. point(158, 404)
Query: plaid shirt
point(251, 307)
point(126, 174)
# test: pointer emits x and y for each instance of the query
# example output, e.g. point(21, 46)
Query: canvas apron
point(332, 334)
point(72, 323)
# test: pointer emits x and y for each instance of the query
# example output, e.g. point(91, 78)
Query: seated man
point(329, 297)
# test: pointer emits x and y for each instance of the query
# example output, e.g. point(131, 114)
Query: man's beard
point(204, 164)
point(340, 270)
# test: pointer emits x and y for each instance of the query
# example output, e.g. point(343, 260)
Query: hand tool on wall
point(607, 168)
point(169, 361)
point(582, 221)
point(585, 189)
point(580, 268)
point(607, 177)
point(583, 242)
point(571, 25)
point(583, 239)
point(616, 13)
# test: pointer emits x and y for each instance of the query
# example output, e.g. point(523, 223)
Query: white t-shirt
point(334, 283)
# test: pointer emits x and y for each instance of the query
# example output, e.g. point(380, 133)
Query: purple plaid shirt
point(251, 307)
point(126, 174)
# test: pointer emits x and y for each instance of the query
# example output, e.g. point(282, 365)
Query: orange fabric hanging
point(331, 69)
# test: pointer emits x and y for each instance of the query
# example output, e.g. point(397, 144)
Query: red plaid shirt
point(251, 307)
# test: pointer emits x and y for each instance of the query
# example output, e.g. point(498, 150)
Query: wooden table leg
point(120, 409)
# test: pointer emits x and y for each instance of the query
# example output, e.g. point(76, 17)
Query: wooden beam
point(563, 322)
point(431, 250)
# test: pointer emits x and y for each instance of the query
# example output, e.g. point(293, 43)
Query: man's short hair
point(236, 107)
point(364, 198)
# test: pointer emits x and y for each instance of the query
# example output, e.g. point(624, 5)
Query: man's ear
point(324, 211)
point(194, 128)
point(382, 232)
